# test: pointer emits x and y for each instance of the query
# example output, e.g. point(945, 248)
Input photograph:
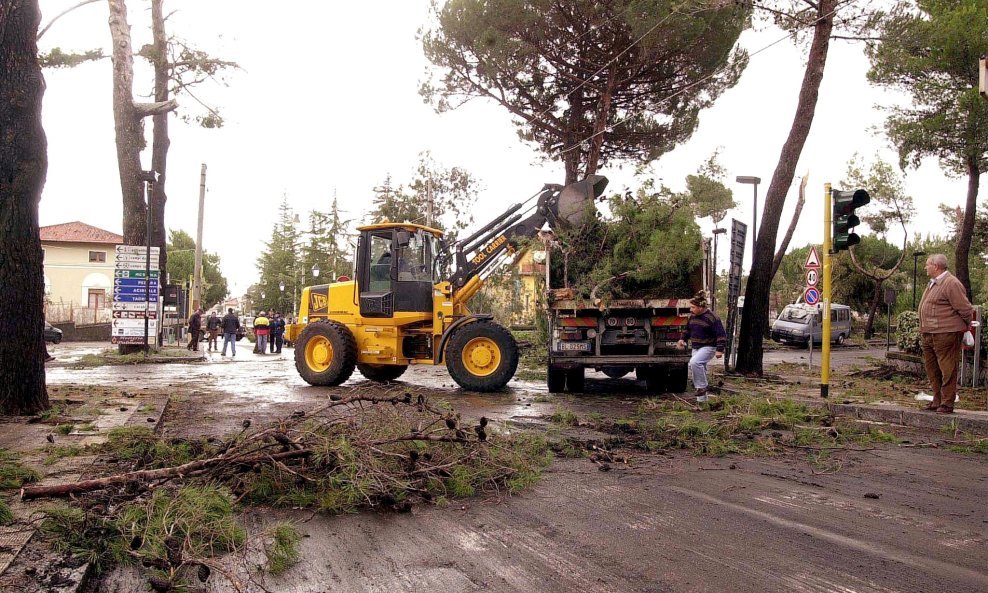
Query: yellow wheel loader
point(404, 308)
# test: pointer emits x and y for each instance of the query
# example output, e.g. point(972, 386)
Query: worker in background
point(261, 330)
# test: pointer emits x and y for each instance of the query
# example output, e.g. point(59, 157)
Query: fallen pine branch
point(148, 475)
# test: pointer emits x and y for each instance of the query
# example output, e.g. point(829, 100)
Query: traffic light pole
point(825, 338)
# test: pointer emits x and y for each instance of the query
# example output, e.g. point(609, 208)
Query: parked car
point(799, 321)
point(52, 333)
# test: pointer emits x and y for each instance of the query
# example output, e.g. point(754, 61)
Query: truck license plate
point(574, 346)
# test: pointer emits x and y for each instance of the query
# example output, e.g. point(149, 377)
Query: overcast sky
point(327, 101)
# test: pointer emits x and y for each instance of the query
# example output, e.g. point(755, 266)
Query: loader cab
point(396, 269)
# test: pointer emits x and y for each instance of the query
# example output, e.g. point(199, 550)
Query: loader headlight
point(591, 333)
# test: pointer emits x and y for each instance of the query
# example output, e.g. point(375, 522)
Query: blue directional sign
point(135, 289)
point(134, 282)
point(811, 296)
point(134, 298)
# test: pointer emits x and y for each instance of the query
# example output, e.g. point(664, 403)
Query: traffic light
point(844, 218)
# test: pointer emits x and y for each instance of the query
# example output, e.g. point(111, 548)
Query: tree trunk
point(963, 250)
point(600, 125)
point(755, 316)
point(127, 126)
point(161, 141)
point(572, 149)
point(23, 167)
point(873, 309)
point(781, 252)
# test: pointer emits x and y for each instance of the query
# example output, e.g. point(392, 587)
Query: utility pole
point(428, 195)
point(197, 271)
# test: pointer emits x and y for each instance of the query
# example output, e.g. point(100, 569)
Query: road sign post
point(135, 284)
point(825, 338)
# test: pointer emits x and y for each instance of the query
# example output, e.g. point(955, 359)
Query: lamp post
point(753, 181)
point(713, 280)
point(916, 255)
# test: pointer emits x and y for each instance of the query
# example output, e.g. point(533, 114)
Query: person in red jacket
point(944, 316)
point(261, 331)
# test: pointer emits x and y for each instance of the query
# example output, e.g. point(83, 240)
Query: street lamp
point(916, 255)
point(713, 281)
point(315, 270)
point(754, 181)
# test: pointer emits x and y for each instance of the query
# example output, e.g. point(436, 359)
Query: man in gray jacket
point(944, 315)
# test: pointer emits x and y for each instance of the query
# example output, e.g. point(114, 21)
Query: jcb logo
point(318, 302)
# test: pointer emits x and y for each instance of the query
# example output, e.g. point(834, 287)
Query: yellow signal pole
point(825, 338)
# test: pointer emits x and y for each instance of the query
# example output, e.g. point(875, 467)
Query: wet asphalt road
point(669, 522)
point(271, 378)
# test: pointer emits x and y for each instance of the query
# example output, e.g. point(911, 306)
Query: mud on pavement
point(886, 517)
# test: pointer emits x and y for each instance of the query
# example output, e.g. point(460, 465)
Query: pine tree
point(278, 265)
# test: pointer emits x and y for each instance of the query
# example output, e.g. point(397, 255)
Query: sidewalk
point(970, 421)
point(27, 566)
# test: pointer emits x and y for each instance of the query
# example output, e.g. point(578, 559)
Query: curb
point(961, 420)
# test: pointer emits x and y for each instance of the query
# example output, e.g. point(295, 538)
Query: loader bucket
point(571, 207)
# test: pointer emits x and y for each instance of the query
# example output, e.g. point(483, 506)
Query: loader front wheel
point(325, 353)
point(382, 373)
point(482, 356)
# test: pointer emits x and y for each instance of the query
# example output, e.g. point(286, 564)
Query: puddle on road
point(259, 382)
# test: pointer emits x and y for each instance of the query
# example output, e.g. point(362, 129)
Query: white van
point(798, 321)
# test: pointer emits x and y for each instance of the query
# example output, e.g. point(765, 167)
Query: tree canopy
point(327, 249)
point(588, 81)
point(931, 52)
point(448, 193)
point(180, 267)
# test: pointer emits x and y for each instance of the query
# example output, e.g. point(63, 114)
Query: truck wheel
point(678, 380)
point(616, 372)
point(840, 339)
point(555, 380)
point(326, 354)
point(382, 373)
point(482, 356)
point(656, 379)
point(575, 380)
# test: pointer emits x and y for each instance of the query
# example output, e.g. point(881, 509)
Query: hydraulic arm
point(560, 206)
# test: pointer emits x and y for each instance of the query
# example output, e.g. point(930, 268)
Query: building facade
point(79, 260)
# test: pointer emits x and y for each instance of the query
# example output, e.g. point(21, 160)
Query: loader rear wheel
point(382, 373)
point(325, 353)
point(482, 356)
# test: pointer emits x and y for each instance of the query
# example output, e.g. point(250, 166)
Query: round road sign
point(812, 276)
point(811, 296)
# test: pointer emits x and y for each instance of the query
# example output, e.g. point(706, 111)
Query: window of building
point(97, 256)
point(97, 298)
